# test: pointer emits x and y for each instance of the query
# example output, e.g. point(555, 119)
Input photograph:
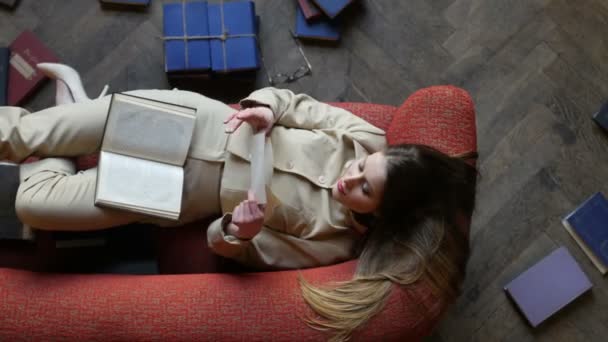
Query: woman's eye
point(365, 188)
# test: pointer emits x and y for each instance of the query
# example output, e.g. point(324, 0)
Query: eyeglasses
point(300, 72)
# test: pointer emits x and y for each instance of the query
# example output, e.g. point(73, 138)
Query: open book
point(144, 148)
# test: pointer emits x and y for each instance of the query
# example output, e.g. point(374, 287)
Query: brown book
point(24, 77)
point(309, 9)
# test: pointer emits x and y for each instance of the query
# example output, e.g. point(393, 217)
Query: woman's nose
point(352, 180)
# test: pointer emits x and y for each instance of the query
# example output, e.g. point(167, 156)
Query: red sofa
point(183, 304)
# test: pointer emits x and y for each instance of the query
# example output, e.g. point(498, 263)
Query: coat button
point(321, 179)
point(290, 165)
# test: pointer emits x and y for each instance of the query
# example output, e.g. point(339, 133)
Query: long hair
point(417, 234)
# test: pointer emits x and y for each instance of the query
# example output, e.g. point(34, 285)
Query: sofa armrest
point(442, 117)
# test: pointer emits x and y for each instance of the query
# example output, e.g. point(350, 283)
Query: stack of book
point(318, 19)
point(204, 39)
point(588, 226)
point(19, 76)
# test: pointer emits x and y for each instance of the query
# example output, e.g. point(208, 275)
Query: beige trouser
point(53, 196)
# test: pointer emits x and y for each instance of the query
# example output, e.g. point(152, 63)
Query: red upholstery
point(248, 306)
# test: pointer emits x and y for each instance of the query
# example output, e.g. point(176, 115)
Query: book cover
point(236, 23)
point(321, 29)
point(601, 117)
point(309, 9)
point(4, 58)
point(144, 147)
point(588, 225)
point(182, 51)
point(24, 77)
point(548, 286)
point(10, 226)
point(332, 8)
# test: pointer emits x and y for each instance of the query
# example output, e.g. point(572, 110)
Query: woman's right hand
point(247, 219)
point(261, 118)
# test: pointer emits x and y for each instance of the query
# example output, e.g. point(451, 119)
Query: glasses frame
point(302, 71)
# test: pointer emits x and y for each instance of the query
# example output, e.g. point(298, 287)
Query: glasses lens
point(280, 78)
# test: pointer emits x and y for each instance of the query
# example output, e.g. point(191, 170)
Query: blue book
point(588, 225)
point(321, 29)
point(332, 8)
point(4, 59)
point(183, 54)
point(238, 52)
point(548, 286)
point(601, 117)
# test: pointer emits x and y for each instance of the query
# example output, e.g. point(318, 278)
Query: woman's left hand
point(260, 118)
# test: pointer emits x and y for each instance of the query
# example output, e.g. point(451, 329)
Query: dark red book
point(23, 75)
point(309, 9)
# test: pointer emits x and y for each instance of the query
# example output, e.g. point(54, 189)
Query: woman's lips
point(341, 187)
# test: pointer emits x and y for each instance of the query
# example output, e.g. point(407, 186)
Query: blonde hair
point(429, 247)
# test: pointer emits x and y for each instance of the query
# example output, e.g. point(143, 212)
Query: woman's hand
point(247, 219)
point(260, 118)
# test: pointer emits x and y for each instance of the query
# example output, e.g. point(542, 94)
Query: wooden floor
point(537, 70)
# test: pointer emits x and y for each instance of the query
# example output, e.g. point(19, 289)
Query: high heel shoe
point(69, 84)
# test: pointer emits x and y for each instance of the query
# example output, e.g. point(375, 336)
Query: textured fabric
point(255, 306)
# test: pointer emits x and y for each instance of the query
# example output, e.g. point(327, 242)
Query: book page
point(134, 184)
point(148, 129)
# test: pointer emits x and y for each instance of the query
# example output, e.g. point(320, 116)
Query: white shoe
point(69, 84)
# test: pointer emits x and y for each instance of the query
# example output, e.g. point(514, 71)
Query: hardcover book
point(310, 10)
point(321, 29)
point(4, 57)
point(143, 151)
point(588, 225)
point(181, 52)
point(10, 226)
point(548, 286)
point(601, 117)
point(221, 37)
point(24, 77)
point(332, 8)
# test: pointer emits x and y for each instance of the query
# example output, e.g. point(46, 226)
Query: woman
point(335, 186)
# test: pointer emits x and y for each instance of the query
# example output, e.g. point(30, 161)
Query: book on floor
point(11, 227)
point(321, 29)
point(4, 58)
point(24, 77)
point(332, 8)
point(143, 151)
point(588, 226)
point(548, 286)
point(309, 9)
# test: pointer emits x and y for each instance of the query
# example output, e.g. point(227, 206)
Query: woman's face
point(362, 185)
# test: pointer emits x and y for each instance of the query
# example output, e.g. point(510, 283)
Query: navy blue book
point(238, 51)
point(138, 3)
point(4, 59)
point(181, 53)
point(601, 117)
point(588, 225)
point(320, 29)
point(332, 8)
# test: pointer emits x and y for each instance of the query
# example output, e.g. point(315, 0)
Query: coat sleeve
point(304, 112)
point(273, 250)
